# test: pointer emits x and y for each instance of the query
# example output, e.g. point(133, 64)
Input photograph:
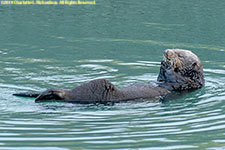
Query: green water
point(64, 46)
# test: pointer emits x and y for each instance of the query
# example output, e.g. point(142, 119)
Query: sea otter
point(181, 70)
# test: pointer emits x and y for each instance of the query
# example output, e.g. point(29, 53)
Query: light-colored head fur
point(181, 59)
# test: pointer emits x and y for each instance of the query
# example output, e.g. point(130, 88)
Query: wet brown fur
point(181, 70)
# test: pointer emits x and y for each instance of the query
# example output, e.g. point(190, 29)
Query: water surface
point(123, 41)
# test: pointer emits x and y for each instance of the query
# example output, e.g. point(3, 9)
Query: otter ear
point(51, 94)
point(195, 67)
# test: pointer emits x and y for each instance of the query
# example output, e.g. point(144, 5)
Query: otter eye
point(180, 55)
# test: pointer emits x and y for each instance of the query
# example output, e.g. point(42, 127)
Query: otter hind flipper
point(26, 94)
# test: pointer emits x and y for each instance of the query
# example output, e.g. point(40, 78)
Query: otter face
point(51, 94)
point(181, 70)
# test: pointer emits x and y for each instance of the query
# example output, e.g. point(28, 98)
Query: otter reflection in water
point(181, 70)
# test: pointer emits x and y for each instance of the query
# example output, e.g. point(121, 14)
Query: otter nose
point(166, 53)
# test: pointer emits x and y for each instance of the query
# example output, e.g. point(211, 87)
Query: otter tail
point(27, 94)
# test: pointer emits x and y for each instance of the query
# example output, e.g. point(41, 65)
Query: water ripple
point(169, 125)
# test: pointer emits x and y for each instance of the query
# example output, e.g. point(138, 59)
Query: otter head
point(51, 94)
point(181, 70)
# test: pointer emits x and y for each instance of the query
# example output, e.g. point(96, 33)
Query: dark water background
point(120, 40)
